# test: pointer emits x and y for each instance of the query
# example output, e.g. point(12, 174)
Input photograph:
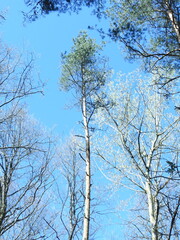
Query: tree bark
point(152, 208)
point(86, 221)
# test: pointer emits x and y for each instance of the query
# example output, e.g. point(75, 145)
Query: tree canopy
point(83, 69)
point(43, 7)
point(150, 30)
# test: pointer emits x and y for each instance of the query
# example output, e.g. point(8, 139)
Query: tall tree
point(85, 72)
point(142, 147)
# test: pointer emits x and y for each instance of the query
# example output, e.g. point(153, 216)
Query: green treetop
point(83, 69)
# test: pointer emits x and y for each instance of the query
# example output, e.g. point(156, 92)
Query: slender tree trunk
point(88, 174)
point(2, 201)
point(152, 211)
point(73, 220)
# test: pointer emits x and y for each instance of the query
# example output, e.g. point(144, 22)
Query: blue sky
point(47, 38)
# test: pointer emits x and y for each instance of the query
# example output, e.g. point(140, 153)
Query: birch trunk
point(86, 221)
point(152, 208)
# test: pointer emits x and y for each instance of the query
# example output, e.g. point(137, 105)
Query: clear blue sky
point(47, 38)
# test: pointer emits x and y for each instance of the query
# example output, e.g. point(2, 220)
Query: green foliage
point(143, 21)
point(148, 32)
point(83, 69)
point(43, 7)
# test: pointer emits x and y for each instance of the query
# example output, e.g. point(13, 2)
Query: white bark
point(88, 174)
point(152, 208)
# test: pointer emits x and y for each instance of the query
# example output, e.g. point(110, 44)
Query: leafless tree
point(25, 151)
point(143, 149)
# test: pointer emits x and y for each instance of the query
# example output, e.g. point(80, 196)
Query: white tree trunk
point(88, 175)
point(152, 208)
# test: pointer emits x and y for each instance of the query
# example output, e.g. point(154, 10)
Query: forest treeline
point(122, 167)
